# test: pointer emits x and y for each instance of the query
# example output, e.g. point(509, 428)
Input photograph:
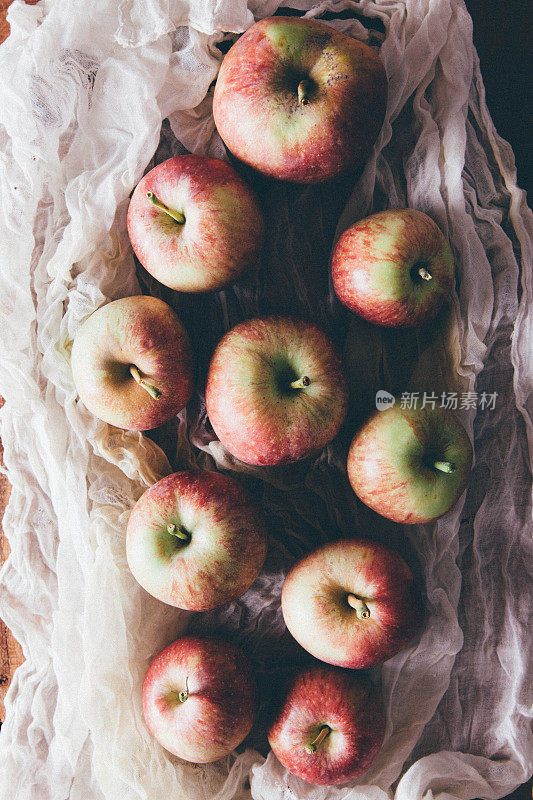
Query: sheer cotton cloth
point(85, 89)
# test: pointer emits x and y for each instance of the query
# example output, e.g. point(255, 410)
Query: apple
point(394, 268)
point(194, 224)
point(132, 363)
point(276, 390)
point(196, 540)
point(410, 465)
point(352, 603)
point(329, 726)
point(299, 101)
point(199, 698)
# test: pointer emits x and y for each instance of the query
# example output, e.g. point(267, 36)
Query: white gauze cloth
point(92, 93)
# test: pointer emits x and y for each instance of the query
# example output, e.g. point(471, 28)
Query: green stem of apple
point(136, 375)
point(301, 383)
point(183, 695)
point(359, 606)
point(424, 274)
point(178, 531)
point(324, 731)
point(444, 466)
point(177, 215)
point(303, 92)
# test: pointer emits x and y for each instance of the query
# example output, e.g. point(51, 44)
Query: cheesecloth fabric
point(91, 95)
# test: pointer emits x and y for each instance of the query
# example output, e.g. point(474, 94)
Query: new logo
point(384, 400)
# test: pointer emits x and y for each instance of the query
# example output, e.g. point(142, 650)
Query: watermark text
point(454, 401)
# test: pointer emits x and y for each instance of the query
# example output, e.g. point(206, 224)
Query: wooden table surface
point(10, 651)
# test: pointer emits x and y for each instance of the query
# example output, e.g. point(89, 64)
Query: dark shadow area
point(502, 36)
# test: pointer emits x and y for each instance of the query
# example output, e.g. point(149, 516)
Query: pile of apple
point(297, 101)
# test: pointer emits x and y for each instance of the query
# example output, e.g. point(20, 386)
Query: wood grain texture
point(4, 24)
point(10, 651)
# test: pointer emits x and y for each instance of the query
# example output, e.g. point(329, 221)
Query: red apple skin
point(389, 464)
point(141, 331)
point(316, 610)
point(221, 704)
point(255, 420)
point(226, 549)
point(223, 230)
point(375, 266)
point(256, 106)
point(343, 700)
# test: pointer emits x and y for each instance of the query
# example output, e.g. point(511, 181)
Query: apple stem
point(424, 274)
point(183, 695)
point(177, 215)
point(136, 375)
point(178, 531)
point(359, 606)
point(301, 383)
point(444, 466)
point(323, 732)
point(303, 90)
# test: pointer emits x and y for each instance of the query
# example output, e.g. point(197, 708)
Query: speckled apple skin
point(344, 700)
point(386, 466)
point(372, 262)
point(221, 706)
point(139, 330)
point(227, 547)
point(254, 420)
point(256, 107)
point(317, 614)
point(223, 230)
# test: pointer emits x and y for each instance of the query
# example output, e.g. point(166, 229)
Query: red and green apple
point(132, 363)
point(276, 390)
point(410, 465)
point(199, 698)
point(194, 224)
point(300, 101)
point(196, 540)
point(394, 268)
point(329, 726)
point(352, 603)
